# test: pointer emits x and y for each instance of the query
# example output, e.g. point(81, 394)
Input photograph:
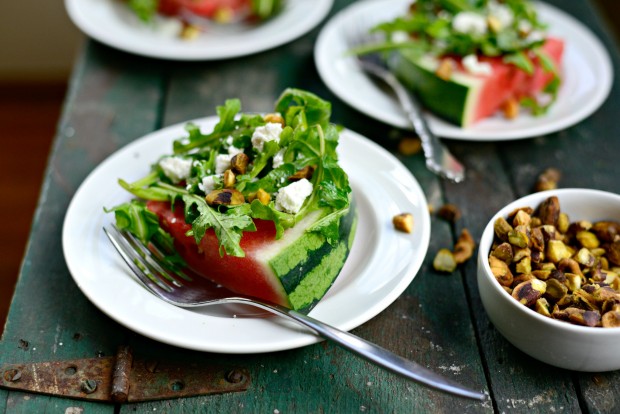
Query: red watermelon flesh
point(245, 275)
point(508, 82)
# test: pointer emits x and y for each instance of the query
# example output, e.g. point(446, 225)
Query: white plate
point(113, 23)
point(587, 75)
point(381, 264)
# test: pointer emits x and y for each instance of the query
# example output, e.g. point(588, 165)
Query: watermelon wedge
point(294, 271)
point(464, 98)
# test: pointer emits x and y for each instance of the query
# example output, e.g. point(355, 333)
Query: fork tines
point(147, 263)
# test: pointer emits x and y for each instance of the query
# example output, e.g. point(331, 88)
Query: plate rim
point(304, 338)
point(443, 128)
point(322, 9)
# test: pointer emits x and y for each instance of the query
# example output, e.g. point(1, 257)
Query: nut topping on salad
point(227, 178)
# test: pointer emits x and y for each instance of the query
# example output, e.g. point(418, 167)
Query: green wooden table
point(438, 321)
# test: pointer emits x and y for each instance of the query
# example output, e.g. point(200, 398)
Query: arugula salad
point(474, 33)
point(191, 15)
point(278, 167)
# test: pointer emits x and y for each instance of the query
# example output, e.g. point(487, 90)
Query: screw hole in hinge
point(177, 385)
point(71, 370)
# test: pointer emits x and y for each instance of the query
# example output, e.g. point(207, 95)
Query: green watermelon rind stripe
point(454, 100)
point(309, 266)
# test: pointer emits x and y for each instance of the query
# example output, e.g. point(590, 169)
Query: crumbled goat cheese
point(290, 198)
point(208, 184)
point(470, 22)
point(475, 67)
point(278, 158)
point(222, 163)
point(524, 26)
point(234, 150)
point(269, 132)
point(535, 36)
point(400, 36)
point(176, 168)
point(229, 140)
point(502, 13)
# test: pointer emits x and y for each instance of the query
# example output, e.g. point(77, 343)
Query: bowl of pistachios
point(549, 277)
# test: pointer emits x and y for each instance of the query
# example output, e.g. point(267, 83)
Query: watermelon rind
point(305, 263)
point(454, 100)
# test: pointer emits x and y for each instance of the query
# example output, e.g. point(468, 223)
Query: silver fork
point(438, 158)
point(182, 291)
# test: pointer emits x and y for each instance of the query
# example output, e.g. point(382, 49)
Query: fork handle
point(373, 353)
point(438, 157)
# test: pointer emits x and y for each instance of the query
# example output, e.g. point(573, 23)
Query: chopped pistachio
point(542, 307)
point(229, 179)
point(607, 231)
point(511, 108)
point(503, 252)
point(274, 119)
point(501, 271)
point(464, 247)
point(449, 212)
point(611, 320)
point(573, 281)
point(556, 290)
point(445, 69)
point(570, 265)
point(557, 250)
point(225, 197)
point(522, 218)
point(520, 253)
point(537, 239)
point(585, 257)
point(403, 222)
point(584, 300)
point(409, 146)
point(524, 277)
point(542, 274)
point(549, 211)
point(305, 172)
point(563, 223)
point(239, 163)
point(524, 266)
point(528, 292)
point(444, 261)
point(613, 253)
point(502, 228)
point(517, 238)
point(263, 196)
point(579, 316)
point(548, 180)
point(587, 239)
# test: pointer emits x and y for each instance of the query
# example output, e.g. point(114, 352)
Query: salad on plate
point(189, 18)
point(470, 59)
point(258, 205)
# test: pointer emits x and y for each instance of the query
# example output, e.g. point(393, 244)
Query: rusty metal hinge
point(121, 379)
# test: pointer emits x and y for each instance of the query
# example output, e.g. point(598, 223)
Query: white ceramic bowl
point(555, 342)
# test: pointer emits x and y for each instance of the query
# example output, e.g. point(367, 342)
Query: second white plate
point(587, 75)
point(382, 262)
point(111, 22)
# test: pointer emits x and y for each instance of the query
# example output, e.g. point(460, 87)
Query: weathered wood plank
point(109, 104)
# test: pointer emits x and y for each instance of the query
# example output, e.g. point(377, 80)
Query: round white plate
point(380, 266)
point(113, 23)
point(587, 75)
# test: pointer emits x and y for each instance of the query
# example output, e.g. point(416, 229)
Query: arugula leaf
point(281, 220)
point(137, 219)
point(228, 227)
point(265, 9)
point(144, 9)
point(522, 61)
point(329, 226)
point(293, 103)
